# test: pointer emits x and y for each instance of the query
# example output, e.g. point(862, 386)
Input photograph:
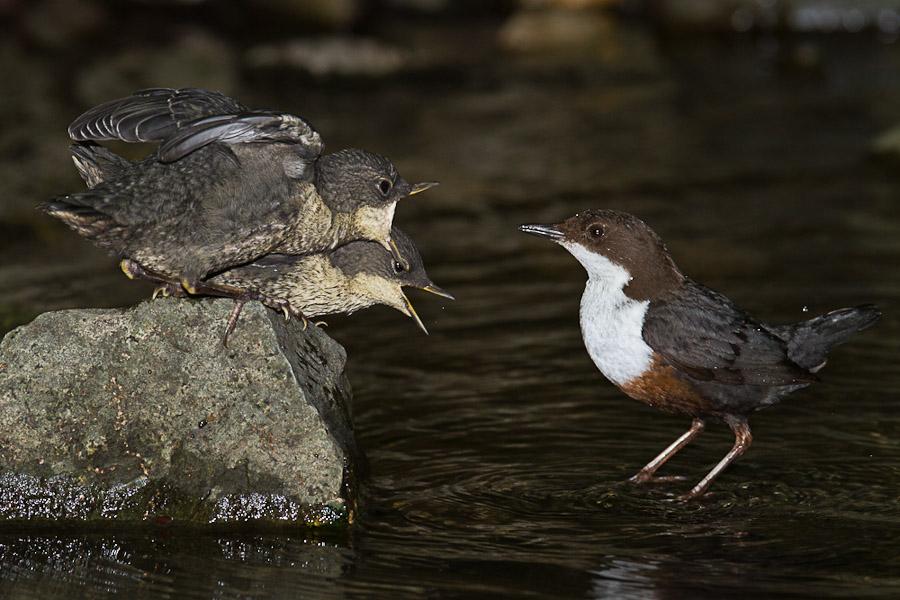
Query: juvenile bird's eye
point(596, 231)
point(399, 267)
point(384, 186)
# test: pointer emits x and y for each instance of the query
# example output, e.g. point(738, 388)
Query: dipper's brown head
point(376, 274)
point(618, 247)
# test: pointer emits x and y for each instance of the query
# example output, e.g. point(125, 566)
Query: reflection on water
point(497, 453)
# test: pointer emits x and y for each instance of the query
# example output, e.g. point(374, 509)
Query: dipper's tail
point(83, 218)
point(96, 164)
point(810, 341)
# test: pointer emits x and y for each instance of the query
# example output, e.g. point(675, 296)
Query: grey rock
point(142, 413)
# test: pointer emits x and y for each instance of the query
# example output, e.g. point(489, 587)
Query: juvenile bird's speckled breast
point(311, 284)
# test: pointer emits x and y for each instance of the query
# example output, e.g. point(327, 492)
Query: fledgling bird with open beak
point(344, 280)
point(675, 345)
point(227, 185)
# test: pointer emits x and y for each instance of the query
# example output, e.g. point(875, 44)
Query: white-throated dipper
point(227, 185)
point(678, 346)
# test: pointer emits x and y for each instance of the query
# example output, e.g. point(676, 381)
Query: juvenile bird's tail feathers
point(96, 164)
point(86, 220)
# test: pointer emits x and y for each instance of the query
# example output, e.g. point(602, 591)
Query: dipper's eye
point(399, 267)
point(384, 186)
point(596, 231)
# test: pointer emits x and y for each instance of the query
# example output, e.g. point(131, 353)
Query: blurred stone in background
point(327, 14)
point(822, 16)
point(195, 58)
point(58, 23)
point(322, 56)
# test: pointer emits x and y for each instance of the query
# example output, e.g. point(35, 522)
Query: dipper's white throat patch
point(611, 322)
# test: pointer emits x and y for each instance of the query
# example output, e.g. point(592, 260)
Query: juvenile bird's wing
point(150, 115)
point(704, 335)
point(275, 260)
point(242, 128)
point(187, 119)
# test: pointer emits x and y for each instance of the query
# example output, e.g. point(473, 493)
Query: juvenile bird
point(226, 186)
point(351, 277)
point(675, 345)
point(354, 276)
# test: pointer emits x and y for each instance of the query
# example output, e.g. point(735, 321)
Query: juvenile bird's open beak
point(411, 313)
point(438, 291)
point(418, 188)
point(551, 232)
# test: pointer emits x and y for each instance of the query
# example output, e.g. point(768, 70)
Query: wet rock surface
point(142, 414)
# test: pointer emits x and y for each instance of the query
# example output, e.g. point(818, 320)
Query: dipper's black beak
point(546, 231)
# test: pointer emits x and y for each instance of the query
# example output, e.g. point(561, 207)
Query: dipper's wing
point(150, 115)
point(704, 335)
point(241, 128)
point(187, 119)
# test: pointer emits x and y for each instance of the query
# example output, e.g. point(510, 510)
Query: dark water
point(496, 451)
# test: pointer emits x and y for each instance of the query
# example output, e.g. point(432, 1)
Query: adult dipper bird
point(680, 347)
point(226, 186)
point(354, 276)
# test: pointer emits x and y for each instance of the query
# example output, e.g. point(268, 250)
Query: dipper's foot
point(646, 474)
point(167, 290)
point(642, 477)
point(167, 286)
point(282, 306)
point(742, 440)
point(133, 270)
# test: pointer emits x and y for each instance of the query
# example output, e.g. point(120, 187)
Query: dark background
point(755, 136)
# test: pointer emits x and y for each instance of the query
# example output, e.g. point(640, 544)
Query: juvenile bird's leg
point(233, 319)
point(646, 474)
point(134, 270)
point(169, 289)
point(228, 291)
point(274, 303)
point(241, 297)
point(168, 286)
point(742, 440)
